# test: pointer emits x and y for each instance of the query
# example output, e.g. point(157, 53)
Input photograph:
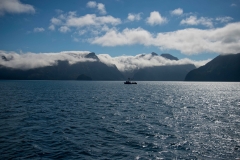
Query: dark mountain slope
point(169, 56)
point(64, 71)
point(163, 73)
point(221, 68)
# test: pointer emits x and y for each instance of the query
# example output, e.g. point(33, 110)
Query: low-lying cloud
point(128, 63)
point(35, 60)
point(123, 63)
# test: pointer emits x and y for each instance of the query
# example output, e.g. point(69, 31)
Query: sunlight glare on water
point(110, 120)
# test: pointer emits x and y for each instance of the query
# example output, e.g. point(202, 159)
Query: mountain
point(221, 68)
point(169, 56)
point(154, 54)
point(84, 77)
point(163, 73)
point(95, 70)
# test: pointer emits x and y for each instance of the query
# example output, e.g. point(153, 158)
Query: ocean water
point(110, 120)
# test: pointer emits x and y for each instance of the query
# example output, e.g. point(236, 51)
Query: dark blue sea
point(110, 120)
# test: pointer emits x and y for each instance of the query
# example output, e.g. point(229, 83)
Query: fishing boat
point(129, 82)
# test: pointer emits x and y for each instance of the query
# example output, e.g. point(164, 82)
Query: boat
point(129, 82)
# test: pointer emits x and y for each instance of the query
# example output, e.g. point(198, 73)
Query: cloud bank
point(65, 22)
point(15, 6)
point(129, 63)
point(105, 31)
point(188, 41)
point(36, 60)
point(123, 63)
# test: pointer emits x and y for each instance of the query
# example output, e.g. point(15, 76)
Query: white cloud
point(92, 31)
point(88, 22)
point(95, 32)
point(224, 19)
point(62, 16)
point(189, 41)
point(70, 14)
point(64, 29)
point(134, 17)
point(39, 29)
point(105, 28)
point(58, 11)
point(91, 4)
point(123, 63)
point(82, 32)
point(233, 5)
point(177, 12)
point(51, 27)
point(15, 6)
point(56, 21)
point(126, 37)
point(99, 6)
point(129, 63)
point(155, 18)
point(91, 20)
point(35, 60)
point(193, 20)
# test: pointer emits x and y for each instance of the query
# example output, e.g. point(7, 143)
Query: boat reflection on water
point(129, 82)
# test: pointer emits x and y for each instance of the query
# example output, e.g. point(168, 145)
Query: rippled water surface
point(110, 120)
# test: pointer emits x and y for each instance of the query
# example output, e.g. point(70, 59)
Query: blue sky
point(199, 29)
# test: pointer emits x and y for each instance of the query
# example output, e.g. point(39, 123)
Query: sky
point(195, 29)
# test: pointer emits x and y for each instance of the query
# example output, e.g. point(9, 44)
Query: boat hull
point(130, 82)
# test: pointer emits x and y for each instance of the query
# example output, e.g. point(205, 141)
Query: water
point(110, 120)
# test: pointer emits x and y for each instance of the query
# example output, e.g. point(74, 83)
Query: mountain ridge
point(221, 68)
point(93, 68)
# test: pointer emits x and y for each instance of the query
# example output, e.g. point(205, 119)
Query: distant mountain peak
point(169, 56)
point(6, 59)
point(92, 55)
point(154, 54)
